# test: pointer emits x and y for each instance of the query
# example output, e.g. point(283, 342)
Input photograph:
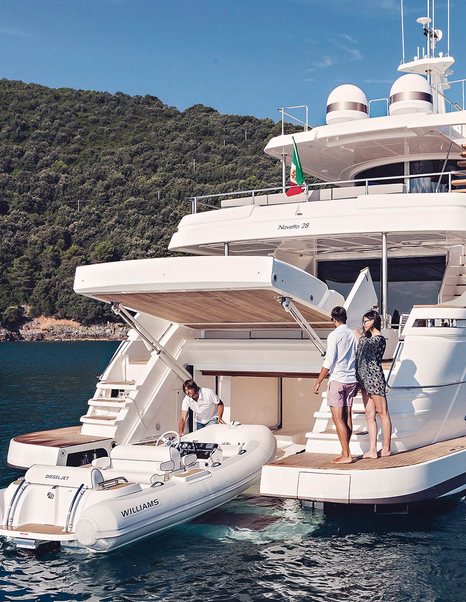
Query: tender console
point(203, 451)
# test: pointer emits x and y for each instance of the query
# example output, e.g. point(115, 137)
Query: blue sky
point(244, 57)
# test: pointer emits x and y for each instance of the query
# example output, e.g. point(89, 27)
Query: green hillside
point(87, 177)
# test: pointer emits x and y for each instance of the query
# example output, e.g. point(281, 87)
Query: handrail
point(10, 513)
point(374, 100)
point(443, 167)
point(364, 184)
point(408, 387)
point(73, 507)
point(455, 105)
point(399, 347)
point(452, 104)
point(305, 124)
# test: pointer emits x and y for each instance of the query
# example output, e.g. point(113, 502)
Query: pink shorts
point(340, 395)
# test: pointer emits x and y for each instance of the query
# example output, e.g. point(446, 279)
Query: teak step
point(458, 182)
point(110, 403)
point(87, 417)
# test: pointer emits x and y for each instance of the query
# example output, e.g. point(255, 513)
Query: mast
point(435, 66)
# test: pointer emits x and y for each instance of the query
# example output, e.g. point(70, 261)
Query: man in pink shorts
point(340, 365)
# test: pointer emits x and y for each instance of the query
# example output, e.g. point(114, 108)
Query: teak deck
point(37, 528)
point(62, 437)
point(218, 309)
point(408, 458)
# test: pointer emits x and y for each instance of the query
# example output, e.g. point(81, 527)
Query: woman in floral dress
point(371, 380)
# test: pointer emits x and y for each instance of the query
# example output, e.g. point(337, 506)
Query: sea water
point(250, 549)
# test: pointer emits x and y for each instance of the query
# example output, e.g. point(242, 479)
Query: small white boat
point(139, 490)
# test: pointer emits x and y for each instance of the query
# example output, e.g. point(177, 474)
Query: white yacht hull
point(425, 474)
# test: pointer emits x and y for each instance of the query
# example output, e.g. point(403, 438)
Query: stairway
point(324, 439)
point(460, 184)
point(138, 390)
point(454, 279)
point(117, 389)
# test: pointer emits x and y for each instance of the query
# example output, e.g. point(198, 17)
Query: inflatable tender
point(138, 491)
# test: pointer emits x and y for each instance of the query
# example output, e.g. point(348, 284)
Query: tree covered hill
point(87, 177)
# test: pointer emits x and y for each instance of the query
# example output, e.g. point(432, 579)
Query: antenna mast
point(402, 32)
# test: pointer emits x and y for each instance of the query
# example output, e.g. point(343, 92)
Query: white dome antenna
point(424, 21)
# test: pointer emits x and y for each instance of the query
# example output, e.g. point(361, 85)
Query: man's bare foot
point(370, 454)
point(385, 453)
point(342, 460)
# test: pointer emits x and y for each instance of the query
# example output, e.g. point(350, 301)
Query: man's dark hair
point(339, 314)
point(191, 385)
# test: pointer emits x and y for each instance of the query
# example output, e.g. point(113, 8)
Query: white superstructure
point(249, 313)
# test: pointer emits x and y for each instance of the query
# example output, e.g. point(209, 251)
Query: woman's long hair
point(372, 315)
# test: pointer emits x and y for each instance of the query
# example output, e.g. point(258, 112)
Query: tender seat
point(145, 458)
point(64, 476)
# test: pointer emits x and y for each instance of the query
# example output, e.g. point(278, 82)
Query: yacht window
point(420, 184)
point(439, 323)
point(411, 280)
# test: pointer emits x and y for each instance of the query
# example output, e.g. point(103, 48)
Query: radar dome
point(410, 94)
point(346, 103)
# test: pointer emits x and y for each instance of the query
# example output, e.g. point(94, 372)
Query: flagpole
point(284, 172)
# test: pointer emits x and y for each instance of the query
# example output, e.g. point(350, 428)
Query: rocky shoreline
point(49, 329)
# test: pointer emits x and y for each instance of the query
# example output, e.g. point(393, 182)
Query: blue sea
point(250, 549)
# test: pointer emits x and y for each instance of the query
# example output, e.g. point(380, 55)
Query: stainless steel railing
point(412, 184)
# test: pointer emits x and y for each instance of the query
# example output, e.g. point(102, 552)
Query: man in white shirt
point(205, 404)
point(340, 364)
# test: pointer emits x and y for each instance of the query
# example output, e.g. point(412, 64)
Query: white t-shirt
point(205, 408)
point(340, 358)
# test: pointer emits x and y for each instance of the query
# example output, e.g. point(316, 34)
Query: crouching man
point(205, 404)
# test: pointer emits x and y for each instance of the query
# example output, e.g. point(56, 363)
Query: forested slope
point(88, 177)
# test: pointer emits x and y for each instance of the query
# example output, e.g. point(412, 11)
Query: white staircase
point(323, 438)
point(137, 390)
point(454, 279)
point(117, 389)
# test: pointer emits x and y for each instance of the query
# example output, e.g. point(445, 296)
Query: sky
point(246, 57)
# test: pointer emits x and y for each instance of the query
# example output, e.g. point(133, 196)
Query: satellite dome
point(410, 94)
point(346, 103)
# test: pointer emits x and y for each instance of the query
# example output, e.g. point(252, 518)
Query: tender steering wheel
point(169, 438)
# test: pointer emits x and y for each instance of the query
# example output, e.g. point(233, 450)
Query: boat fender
point(86, 532)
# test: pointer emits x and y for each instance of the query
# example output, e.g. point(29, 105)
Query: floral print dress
point(369, 373)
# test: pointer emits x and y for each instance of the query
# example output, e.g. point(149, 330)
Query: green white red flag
point(296, 173)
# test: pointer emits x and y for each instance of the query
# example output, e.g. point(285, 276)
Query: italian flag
point(296, 173)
